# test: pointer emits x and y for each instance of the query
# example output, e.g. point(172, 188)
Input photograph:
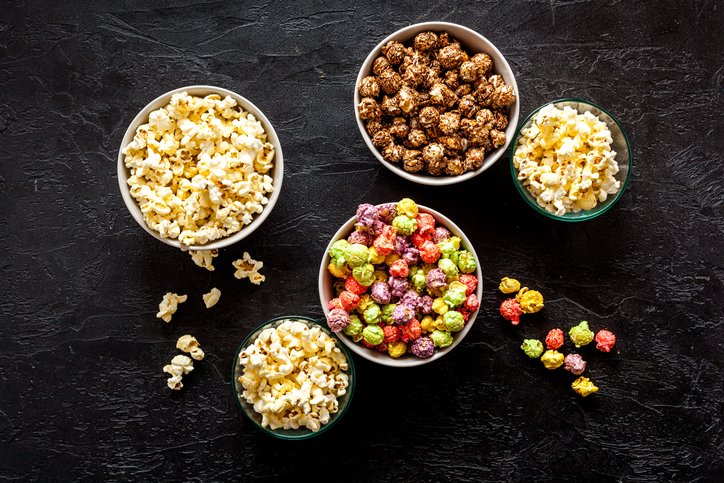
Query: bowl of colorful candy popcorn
point(200, 168)
point(571, 160)
point(436, 103)
point(400, 283)
point(292, 378)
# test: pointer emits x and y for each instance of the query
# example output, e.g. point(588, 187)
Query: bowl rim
point(429, 180)
point(350, 371)
point(408, 360)
point(519, 186)
point(123, 173)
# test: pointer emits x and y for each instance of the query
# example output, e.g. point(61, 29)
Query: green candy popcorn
point(364, 274)
point(404, 225)
point(337, 249)
point(387, 312)
point(453, 320)
point(581, 334)
point(448, 267)
point(373, 334)
point(356, 254)
point(448, 248)
point(372, 314)
point(355, 326)
point(466, 262)
point(454, 298)
point(533, 348)
point(441, 338)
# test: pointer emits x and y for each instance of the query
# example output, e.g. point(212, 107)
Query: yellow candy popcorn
point(407, 207)
point(392, 258)
point(380, 275)
point(426, 324)
point(439, 306)
point(509, 285)
point(364, 301)
point(531, 301)
point(583, 386)
point(459, 286)
point(456, 242)
point(339, 272)
point(552, 359)
point(375, 258)
point(396, 349)
point(439, 324)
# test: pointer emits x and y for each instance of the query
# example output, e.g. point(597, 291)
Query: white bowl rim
point(407, 360)
point(160, 101)
point(428, 179)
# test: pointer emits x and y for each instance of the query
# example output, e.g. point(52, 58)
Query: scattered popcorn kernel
point(552, 359)
point(204, 258)
point(605, 340)
point(212, 297)
point(510, 310)
point(179, 366)
point(169, 305)
point(584, 386)
point(554, 339)
point(575, 364)
point(580, 334)
point(189, 344)
point(532, 348)
point(531, 301)
point(509, 285)
point(248, 268)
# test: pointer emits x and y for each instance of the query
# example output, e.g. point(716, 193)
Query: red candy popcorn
point(354, 286)
point(465, 313)
point(429, 252)
point(418, 238)
point(510, 310)
point(399, 268)
point(470, 282)
point(336, 303)
point(426, 223)
point(366, 344)
point(392, 334)
point(381, 347)
point(605, 340)
point(471, 303)
point(554, 339)
point(411, 331)
point(348, 300)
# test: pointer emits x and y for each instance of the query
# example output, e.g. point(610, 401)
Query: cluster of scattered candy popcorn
point(199, 168)
point(404, 285)
point(580, 336)
point(181, 364)
point(293, 375)
point(525, 302)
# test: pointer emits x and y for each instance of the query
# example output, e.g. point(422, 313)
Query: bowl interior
point(620, 145)
point(255, 417)
point(276, 173)
point(326, 292)
point(473, 43)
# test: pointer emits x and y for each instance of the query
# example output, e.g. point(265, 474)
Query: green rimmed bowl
point(620, 145)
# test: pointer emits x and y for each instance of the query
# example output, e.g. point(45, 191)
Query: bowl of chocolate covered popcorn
point(571, 160)
point(200, 168)
point(292, 378)
point(436, 103)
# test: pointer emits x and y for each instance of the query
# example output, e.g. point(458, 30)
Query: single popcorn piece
point(169, 305)
point(554, 339)
point(565, 160)
point(580, 334)
point(509, 285)
point(510, 310)
point(179, 366)
point(189, 344)
point(552, 360)
point(605, 340)
point(532, 348)
point(212, 297)
point(575, 364)
point(204, 258)
point(199, 169)
point(531, 301)
point(293, 375)
point(584, 386)
point(248, 268)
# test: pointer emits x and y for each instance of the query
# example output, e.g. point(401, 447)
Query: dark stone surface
point(82, 394)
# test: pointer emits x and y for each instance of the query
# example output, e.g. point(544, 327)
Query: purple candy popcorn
point(338, 320)
point(403, 314)
point(436, 279)
point(412, 256)
point(441, 234)
point(367, 215)
point(361, 237)
point(398, 285)
point(387, 213)
point(380, 293)
point(422, 347)
point(412, 299)
point(401, 244)
point(425, 304)
point(574, 363)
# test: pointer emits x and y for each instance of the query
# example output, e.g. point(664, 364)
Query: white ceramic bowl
point(277, 172)
point(473, 43)
point(326, 292)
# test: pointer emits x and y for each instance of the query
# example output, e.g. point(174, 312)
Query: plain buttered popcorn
point(565, 160)
point(293, 376)
point(199, 168)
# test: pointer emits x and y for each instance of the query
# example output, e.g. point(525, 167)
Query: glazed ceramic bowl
point(620, 145)
point(473, 43)
point(302, 433)
point(276, 173)
point(326, 293)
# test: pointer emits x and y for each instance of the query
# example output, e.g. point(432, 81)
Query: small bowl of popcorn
point(436, 103)
point(200, 168)
point(571, 160)
point(293, 378)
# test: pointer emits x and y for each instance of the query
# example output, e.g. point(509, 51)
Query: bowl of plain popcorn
point(200, 168)
point(293, 378)
point(571, 160)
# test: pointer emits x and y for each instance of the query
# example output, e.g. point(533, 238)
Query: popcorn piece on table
point(204, 258)
point(554, 339)
point(575, 364)
point(605, 340)
point(583, 386)
point(509, 285)
point(510, 310)
point(179, 366)
point(552, 359)
point(533, 348)
point(248, 268)
point(189, 344)
point(580, 334)
point(169, 305)
point(531, 301)
point(212, 297)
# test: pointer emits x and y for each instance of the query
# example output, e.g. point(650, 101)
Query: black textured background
point(82, 394)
